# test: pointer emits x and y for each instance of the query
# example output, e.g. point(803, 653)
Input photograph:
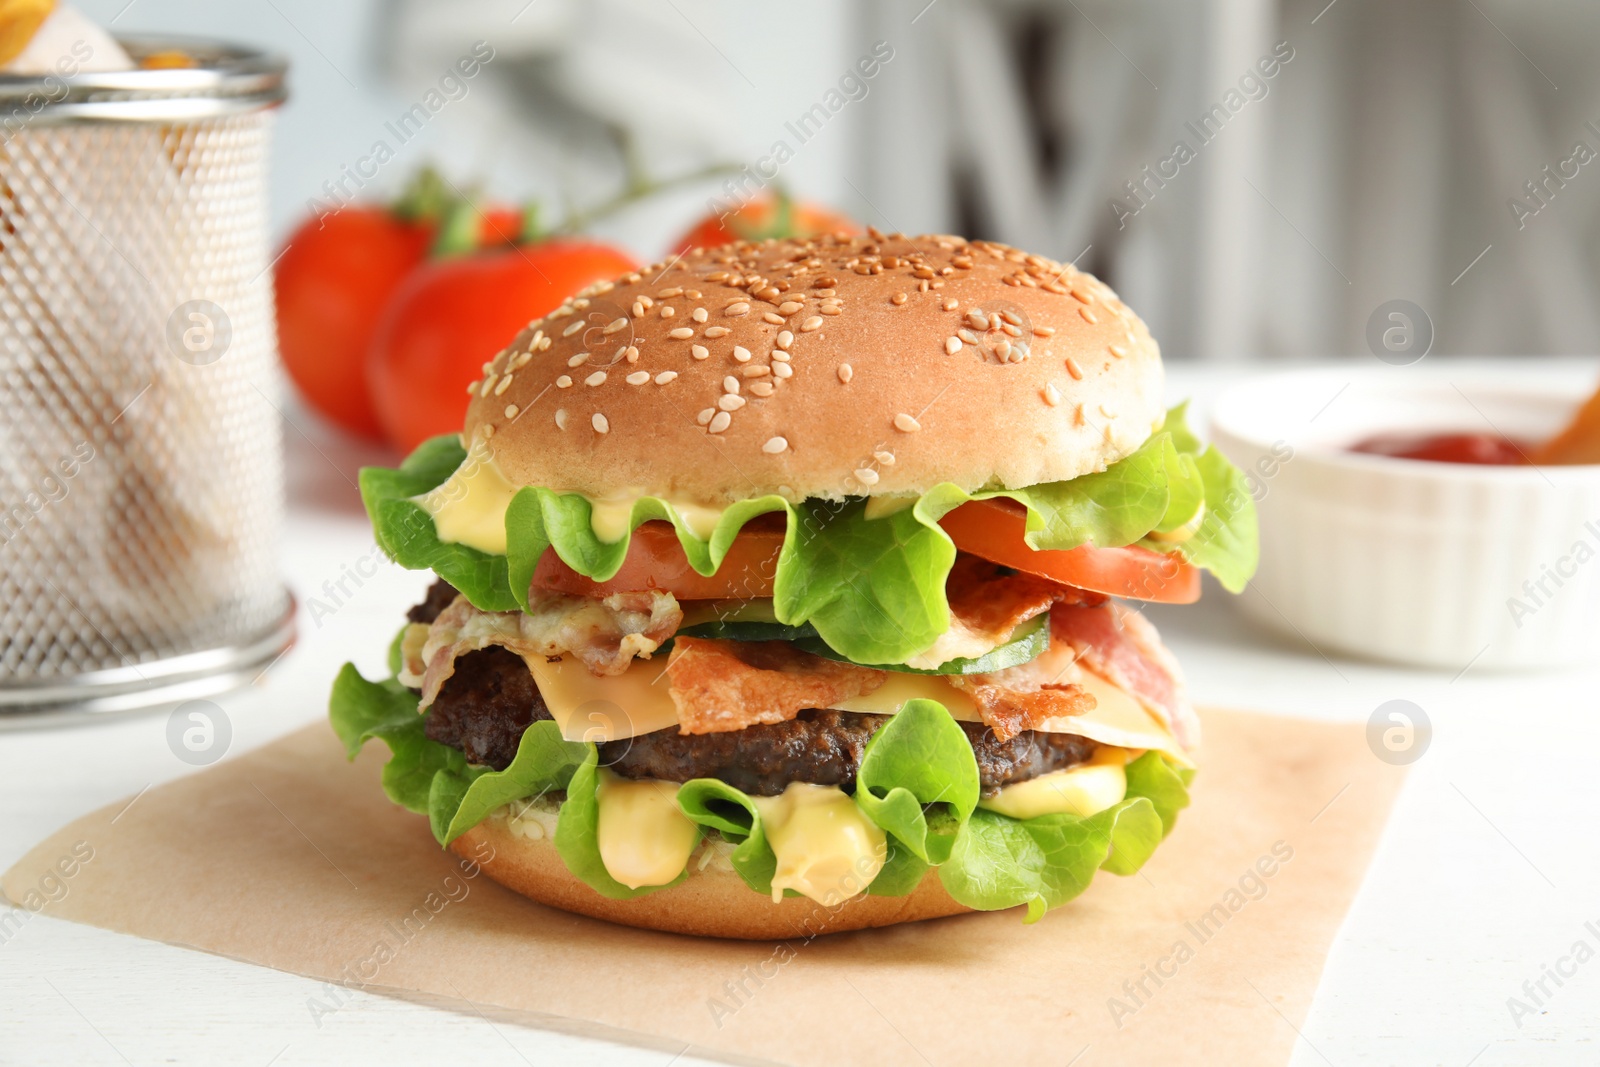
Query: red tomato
point(994, 529)
point(333, 280)
point(453, 315)
point(764, 217)
point(656, 561)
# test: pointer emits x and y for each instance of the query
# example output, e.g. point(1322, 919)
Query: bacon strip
point(1120, 645)
point(1008, 710)
point(986, 605)
point(606, 635)
point(720, 686)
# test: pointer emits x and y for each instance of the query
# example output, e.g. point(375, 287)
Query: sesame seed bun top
point(823, 368)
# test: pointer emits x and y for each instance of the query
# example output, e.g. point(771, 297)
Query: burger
point(792, 587)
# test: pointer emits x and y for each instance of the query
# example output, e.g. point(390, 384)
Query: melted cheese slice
point(1083, 790)
point(469, 507)
point(826, 848)
point(587, 708)
point(644, 837)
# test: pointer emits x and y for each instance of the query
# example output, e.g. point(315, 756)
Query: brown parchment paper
point(291, 858)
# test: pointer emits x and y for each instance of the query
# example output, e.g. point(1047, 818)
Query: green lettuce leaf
point(1227, 543)
point(716, 805)
point(1000, 862)
point(919, 760)
point(577, 834)
point(406, 533)
point(872, 588)
point(1165, 786)
point(545, 763)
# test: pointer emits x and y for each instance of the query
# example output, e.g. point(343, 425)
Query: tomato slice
point(655, 560)
point(994, 530)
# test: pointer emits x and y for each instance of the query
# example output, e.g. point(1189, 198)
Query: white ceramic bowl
point(1434, 564)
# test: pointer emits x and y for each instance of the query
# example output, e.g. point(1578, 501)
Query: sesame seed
point(667, 294)
point(1077, 416)
point(898, 299)
point(486, 432)
point(505, 383)
point(761, 389)
point(619, 324)
point(666, 376)
point(1088, 316)
point(521, 360)
point(782, 370)
point(730, 384)
point(546, 342)
point(472, 387)
point(967, 336)
point(1044, 331)
point(1074, 370)
point(720, 421)
point(780, 355)
point(631, 354)
point(561, 418)
point(994, 320)
point(572, 328)
point(1117, 350)
point(776, 320)
point(600, 424)
point(788, 307)
point(488, 384)
point(698, 315)
point(692, 294)
point(951, 304)
point(952, 345)
point(716, 331)
point(645, 302)
point(578, 360)
point(699, 351)
point(511, 411)
point(1109, 413)
point(741, 353)
point(785, 339)
point(682, 333)
point(813, 323)
point(1052, 395)
point(1011, 317)
point(668, 311)
point(1003, 350)
point(775, 445)
point(597, 378)
point(886, 458)
point(639, 377)
point(906, 424)
point(564, 382)
point(831, 309)
point(867, 476)
point(978, 319)
point(1081, 297)
point(738, 307)
point(1014, 331)
point(845, 373)
point(705, 416)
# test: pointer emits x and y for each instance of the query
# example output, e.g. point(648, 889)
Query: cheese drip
point(644, 837)
point(1084, 790)
point(827, 849)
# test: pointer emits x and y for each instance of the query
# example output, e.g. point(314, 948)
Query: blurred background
point(1254, 176)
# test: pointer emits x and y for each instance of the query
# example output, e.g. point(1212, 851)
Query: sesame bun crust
point(712, 903)
point(860, 365)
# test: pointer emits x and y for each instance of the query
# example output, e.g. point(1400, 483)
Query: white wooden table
point(1487, 874)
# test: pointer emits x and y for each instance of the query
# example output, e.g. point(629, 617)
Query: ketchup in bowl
point(1485, 449)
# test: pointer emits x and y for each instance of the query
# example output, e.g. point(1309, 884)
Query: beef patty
point(484, 707)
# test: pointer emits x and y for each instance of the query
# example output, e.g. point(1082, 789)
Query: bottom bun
point(710, 903)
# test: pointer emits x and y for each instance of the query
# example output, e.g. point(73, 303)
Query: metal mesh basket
point(141, 485)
